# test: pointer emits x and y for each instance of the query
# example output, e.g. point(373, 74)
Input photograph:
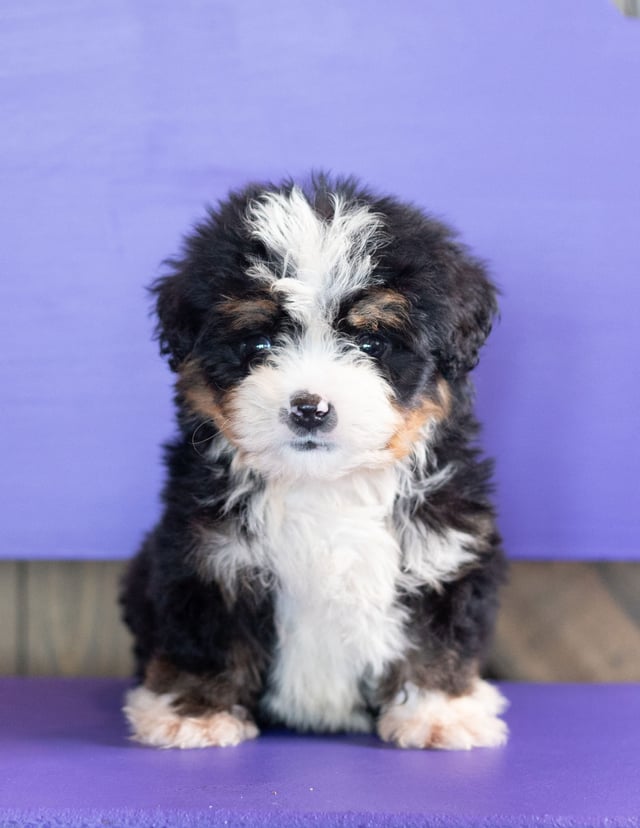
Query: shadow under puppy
point(327, 557)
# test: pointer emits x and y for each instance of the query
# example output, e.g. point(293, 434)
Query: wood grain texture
point(569, 622)
point(559, 621)
point(623, 582)
point(9, 600)
point(72, 620)
point(629, 7)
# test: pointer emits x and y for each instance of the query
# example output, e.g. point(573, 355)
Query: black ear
point(179, 319)
point(468, 312)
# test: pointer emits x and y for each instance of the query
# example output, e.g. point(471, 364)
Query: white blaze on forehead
point(321, 260)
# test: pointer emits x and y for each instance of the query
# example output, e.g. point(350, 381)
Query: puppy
point(328, 557)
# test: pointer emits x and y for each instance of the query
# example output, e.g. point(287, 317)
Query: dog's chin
point(312, 458)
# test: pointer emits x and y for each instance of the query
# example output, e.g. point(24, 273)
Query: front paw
point(420, 718)
point(154, 721)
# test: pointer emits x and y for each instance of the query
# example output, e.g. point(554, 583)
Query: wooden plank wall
point(559, 621)
point(61, 619)
point(629, 7)
point(569, 622)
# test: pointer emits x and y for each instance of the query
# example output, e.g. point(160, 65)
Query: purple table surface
point(65, 760)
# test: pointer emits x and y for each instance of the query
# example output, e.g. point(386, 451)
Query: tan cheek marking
point(201, 399)
point(414, 420)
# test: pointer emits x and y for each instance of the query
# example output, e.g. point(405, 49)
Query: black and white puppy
point(327, 558)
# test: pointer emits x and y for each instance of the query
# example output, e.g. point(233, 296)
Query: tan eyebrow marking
point(248, 314)
point(382, 308)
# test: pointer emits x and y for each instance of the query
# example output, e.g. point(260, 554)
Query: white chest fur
point(337, 560)
point(337, 566)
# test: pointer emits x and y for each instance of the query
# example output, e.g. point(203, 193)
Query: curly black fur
point(223, 636)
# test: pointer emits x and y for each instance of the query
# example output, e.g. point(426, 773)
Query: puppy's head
point(320, 329)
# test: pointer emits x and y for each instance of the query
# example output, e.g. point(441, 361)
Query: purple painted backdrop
point(519, 122)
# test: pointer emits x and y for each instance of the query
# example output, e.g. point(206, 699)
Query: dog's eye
point(373, 345)
point(255, 346)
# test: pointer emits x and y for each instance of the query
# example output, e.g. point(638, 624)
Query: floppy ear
point(179, 319)
point(468, 313)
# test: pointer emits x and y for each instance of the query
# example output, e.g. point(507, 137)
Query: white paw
point(154, 722)
point(431, 719)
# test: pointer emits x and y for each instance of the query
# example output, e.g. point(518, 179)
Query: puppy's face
point(320, 332)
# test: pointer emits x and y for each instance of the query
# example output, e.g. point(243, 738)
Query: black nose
point(309, 412)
